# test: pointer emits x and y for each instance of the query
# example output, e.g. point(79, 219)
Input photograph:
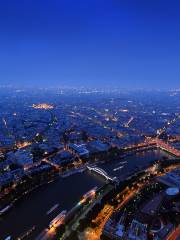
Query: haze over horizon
point(126, 44)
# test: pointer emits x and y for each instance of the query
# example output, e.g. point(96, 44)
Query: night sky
point(91, 43)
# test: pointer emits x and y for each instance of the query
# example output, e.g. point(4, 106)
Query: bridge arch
point(102, 173)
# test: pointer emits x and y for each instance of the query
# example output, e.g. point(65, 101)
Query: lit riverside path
point(73, 225)
point(94, 234)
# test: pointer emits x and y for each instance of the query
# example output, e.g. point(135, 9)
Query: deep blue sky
point(124, 43)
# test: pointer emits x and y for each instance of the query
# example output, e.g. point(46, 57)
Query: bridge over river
point(102, 173)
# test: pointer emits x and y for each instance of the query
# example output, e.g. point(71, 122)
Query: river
point(128, 165)
point(31, 210)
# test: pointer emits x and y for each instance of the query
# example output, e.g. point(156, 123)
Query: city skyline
point(89, 165)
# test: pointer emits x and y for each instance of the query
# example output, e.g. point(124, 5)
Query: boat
point(58, 220)
point(52, 209)
point(50, 181)
point(121, 163)
point(27, 233)
point(89, 195)
point(118, 168)
point(124, 162)
point(4, 210)
point(8, 238)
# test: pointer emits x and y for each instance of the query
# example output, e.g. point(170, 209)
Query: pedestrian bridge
point(102, 173)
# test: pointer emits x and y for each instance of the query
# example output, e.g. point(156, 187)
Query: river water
point(31, 210)
point(128, 165)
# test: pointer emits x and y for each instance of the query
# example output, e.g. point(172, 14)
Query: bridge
point(166, 147)
point(155, 143)
point(102, 173)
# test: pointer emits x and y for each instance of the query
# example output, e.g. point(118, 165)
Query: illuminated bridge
point(164, 146)
point(102, 173)
point(156, 143)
